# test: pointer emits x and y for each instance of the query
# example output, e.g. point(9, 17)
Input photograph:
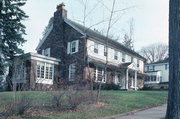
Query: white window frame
point(70, 46)
point(138, 63)
point(73, 47)
point(72, 72)
point(105, 51)
point(96, 46)
point(39, 72)
point(115, 54)
point(123, 57)
point(104, 76)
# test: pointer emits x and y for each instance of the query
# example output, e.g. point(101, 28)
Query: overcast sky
point(150, 19)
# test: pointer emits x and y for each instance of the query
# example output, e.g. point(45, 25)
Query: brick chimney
point(60, 8)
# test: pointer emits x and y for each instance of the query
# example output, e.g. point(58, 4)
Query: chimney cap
point(61, 6)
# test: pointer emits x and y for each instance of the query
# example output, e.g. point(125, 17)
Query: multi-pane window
point(123, 57)
point(151, 68)
point(72, 72)
point(44, 70)
point(95, 47)
point(38, 71)
point(151, 78)
point(73, 47)
point(99, 74)
point(115, 55)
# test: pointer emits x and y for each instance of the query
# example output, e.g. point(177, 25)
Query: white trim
point(70, 71)
point(96, 73)
point(44, 60)
point(42, 52)
point(44, 81)
point(42, 57)
point(77, 46)
point(68, 47)
point(44, 38)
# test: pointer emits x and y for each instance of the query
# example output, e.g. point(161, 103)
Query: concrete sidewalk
point(151, 113)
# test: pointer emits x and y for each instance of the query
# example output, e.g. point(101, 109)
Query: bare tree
point(155, 52)
point(173, 108)
point(128, 40)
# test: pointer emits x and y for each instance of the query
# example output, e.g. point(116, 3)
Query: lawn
point(113, 102)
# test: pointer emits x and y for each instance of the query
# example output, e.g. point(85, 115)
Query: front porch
point(122, 75)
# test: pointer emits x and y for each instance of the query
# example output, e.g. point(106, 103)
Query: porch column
point(136, 80)
point(127, 77)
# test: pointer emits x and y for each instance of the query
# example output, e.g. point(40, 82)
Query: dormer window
point(46, 52)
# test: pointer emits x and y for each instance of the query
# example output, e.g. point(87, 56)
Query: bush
point(57, 98)
point(155, 87)
point(106, 86)
point(18, 106)
point(70, 100)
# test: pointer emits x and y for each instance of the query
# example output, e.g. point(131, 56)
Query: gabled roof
point(84, 30)
point(160, 62)
point(88, 32)
point(45, 36)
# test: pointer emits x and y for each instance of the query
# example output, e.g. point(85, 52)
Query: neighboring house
point(80, 53)
point(158, 72)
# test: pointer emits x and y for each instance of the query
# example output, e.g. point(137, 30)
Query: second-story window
point(105, 51)
point(123, 57)
point(166, 66)
point(151, 68)
point(115, 55)
point(137, 63)
point(73, 47)
point(132, 59)
point(95, 47)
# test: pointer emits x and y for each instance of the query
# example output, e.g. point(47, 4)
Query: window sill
point(44, 81)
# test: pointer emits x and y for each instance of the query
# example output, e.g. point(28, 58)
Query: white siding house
point(157, 72)
point(96, 50)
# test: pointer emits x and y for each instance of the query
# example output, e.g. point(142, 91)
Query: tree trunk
point(173, 109)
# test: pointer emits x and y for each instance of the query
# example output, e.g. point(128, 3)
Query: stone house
point(79, 55)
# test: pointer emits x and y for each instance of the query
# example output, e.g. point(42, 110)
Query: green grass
point(117, 102)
